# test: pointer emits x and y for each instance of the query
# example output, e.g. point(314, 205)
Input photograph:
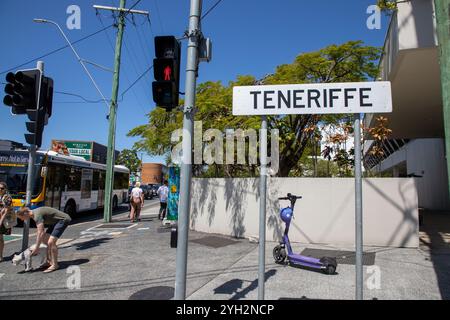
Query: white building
point(416, 147)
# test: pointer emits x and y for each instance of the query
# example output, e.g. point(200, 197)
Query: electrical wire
point(78, 96)
point(113, 50)
point(56, 50)
point(159, 17)
point(211, 9)
point(139, 78)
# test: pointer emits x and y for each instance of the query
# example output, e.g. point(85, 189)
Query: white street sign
point(324, 98)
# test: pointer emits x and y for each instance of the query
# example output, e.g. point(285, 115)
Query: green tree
point(129, 159)
point(348, 62)
point(387, 5)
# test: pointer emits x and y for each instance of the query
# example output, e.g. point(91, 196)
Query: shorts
point(57, 229)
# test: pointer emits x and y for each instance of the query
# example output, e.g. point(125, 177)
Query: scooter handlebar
point(289, 197)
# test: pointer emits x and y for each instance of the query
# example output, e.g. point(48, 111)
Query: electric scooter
point(327, 264)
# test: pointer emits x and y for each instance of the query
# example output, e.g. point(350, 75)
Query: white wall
point(324, 215)
point(416, 24)
point(426, 158)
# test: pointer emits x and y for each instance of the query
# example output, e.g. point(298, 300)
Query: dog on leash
point(26, 259)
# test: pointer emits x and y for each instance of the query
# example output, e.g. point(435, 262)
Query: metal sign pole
point(262, 206)
point(358, 209)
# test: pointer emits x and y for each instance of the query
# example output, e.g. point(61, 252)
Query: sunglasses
point(2, 189)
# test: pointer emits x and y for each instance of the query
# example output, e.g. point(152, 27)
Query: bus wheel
point(70, 208)
point(115, 203)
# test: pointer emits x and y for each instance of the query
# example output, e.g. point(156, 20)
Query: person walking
point(137, 202)
point(5, 208)
point(57, 221)
point(163, 194)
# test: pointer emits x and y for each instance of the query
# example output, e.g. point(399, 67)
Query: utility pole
point(194, 38)
point(443, 33)
point(107, 213)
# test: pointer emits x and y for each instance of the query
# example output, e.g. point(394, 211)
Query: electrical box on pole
point(166, 68)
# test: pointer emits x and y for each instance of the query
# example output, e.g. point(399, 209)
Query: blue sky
point(249, 37)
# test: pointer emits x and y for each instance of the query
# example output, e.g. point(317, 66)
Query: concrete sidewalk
point(136, 262)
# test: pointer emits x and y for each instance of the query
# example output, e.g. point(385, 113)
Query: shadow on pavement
point(62, 265)
point(233, 286)
point(66, 264)
point(435, 229)
point(154, 293)
point(91, 243)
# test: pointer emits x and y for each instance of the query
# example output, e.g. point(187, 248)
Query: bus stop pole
point(262, 207)
point(358, 209)
point(30, 174)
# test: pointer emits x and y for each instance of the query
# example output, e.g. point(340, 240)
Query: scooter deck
point(305, 261)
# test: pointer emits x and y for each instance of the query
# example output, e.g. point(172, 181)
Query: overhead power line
point(56, 50)
point(211, 9)
point(136, 81)
point(79, 96)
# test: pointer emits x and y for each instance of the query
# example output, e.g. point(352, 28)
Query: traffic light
point(39, 116)
point(28, 92)
point(22, 90)
point(35, 126)
point(46, 97)
point(166, 69)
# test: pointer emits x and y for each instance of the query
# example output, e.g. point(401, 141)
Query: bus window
point(14, 171)
point(72, 177)
point(86, 183)
point(95, 181)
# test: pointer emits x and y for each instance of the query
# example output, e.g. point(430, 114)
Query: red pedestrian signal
point(166, 69)
point(167, 73)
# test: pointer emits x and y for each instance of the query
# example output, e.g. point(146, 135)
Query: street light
point(76, 54)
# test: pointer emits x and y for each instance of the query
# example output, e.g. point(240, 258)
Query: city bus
point(68, 183)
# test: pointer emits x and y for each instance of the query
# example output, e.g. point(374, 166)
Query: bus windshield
point(14, 170)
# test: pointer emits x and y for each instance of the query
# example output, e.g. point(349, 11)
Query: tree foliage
point(129, 159)
point(348, 62)
point(387, 5)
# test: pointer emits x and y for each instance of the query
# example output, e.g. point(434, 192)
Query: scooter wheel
point(330, 269)
point(279, 254)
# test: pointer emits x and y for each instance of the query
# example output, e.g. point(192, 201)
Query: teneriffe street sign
point(324, 98)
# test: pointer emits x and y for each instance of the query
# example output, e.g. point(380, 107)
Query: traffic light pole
point(30, 173)
point(443, 32)
point(186, 164)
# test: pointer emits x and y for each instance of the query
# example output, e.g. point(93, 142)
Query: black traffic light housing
point(166, 69)
point(39, 116)
point(22, 90)
point(28, 92)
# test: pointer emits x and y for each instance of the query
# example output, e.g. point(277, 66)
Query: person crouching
point(56, 221)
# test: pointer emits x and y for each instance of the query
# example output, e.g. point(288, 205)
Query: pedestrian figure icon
point(167, 73)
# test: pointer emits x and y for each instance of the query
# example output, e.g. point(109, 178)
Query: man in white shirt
point(137, 202)
point(163, 194)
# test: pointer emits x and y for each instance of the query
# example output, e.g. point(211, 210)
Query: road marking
point(1, 275)
point(143, 228)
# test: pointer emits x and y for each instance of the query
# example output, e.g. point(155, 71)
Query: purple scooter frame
point(326, 264)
